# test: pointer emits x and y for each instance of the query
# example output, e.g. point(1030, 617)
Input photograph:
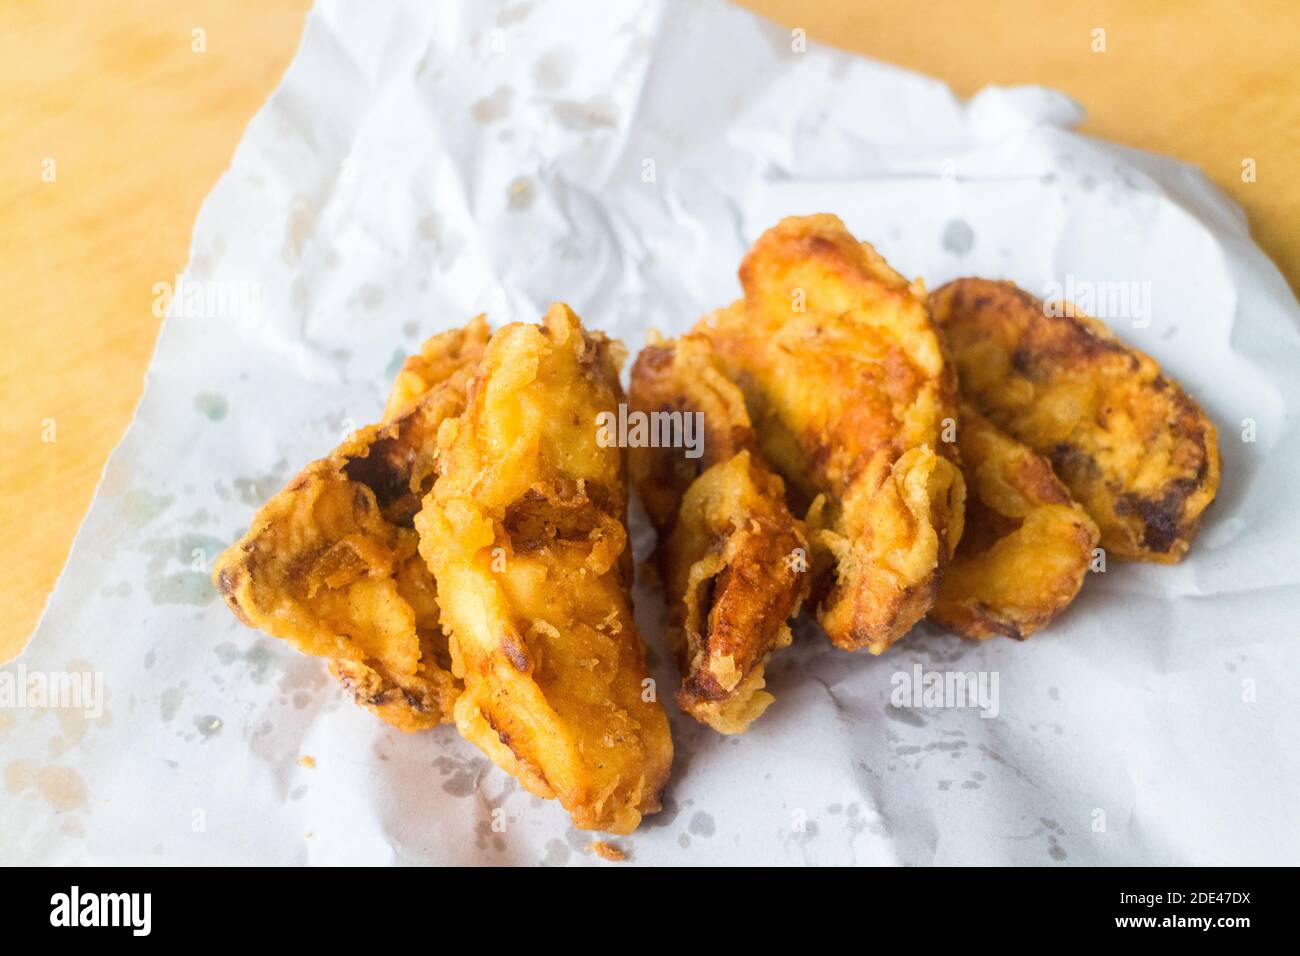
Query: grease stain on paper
point(958, 237)
point(494, 107)
point(211, 405)
point(62, 788)
point(581, 116)
point(554, 69)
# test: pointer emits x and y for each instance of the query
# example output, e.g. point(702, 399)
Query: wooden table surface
point(114, 128)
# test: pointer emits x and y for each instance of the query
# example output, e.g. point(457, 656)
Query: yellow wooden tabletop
point(115, 125)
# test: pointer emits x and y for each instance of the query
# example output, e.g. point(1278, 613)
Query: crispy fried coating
point(331, 563)
point(1025, 546)
point(438, 360)
point(525, 532)
point(735, 566)
point(1132, 447)
point(731, 556)
point(848, 386)
point(675, 379)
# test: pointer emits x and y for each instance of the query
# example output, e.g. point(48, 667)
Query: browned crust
point(1132, 447)
point(735, 560)
point(849, 388)
point(301, 572)
point(1026, 546)
point(683, 377)
point(732, 557)
point(439, 358)
point(525, 531)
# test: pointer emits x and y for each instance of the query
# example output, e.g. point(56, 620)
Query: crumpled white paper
point(422, 162)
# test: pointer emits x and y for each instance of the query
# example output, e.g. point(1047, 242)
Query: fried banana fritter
point(1132, 447)
point(849, 387)
point(682, 377)
point(331, 563)
point(735, 567)
point(1025, 546)
point(439, 359)
point(731, 556)
point(525, 532)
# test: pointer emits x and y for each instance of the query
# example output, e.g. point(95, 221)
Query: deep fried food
point(331, 563)
point(848, 386)
point(735, 569)
point(732, 558)
point(525, 533)
point(1131, 446)
point(608, 851)
point(439, 359)
point(672, 381)
point(1025, 546)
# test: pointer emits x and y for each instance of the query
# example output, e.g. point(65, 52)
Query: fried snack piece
point(849, 387)
point(439, 359)
point(731, 556)
point(525, 533)
point(331, 563)
point(734, 566)
point(1025, 546)
point(1132, 447)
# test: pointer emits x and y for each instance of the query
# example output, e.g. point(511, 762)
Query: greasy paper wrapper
point(424, 162)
